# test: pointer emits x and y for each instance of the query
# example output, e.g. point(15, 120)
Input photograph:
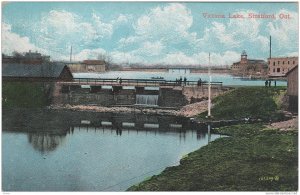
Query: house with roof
point(292, 89)
point(88, 66)
point(36, 72)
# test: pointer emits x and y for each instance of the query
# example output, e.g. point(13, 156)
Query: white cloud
point(89, 33)
point(179, 58)
point(129, 40)
point(122, 19)
point(227, 58)
point(263, 42)
point(150, 48)
point(162, 26)
point(285, 31)
point(244, 28)
point(292, 54)
point(62, 22)
point(102, 29)
point(169, 23)
point(220, 31)
point(13, 42)
point(125, 57)
point(88, 54)
point(234, 33)
point(60, 27)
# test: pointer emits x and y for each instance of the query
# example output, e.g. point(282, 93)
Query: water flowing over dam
point(150, 100)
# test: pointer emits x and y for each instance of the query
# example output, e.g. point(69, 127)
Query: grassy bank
point(251, 159)
point(24, 94)
point(248, 102)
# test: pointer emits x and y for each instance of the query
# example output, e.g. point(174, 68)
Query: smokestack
point(71, 54)
point(270, 46)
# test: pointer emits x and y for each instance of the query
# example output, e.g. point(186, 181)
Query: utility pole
point(209, 101)
point(209, 87)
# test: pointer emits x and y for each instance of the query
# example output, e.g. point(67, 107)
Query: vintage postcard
point(149, 96)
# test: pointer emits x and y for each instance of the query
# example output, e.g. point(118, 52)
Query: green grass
point(251, 159)
point(254, 102)
point(23, 94)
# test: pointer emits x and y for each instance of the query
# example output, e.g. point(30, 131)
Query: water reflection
point(119, 131)
point(49, 141)
point(46, 130)
point(201, 133)
point(86, 151)
point(208, 133)
point(45, 142)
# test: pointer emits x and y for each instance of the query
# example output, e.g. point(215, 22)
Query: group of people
point(268, 83)
point(179, 81)
point(184, 81)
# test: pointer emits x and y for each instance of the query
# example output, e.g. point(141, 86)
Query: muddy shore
point(186, 111)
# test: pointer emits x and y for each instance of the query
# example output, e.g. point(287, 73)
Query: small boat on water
point(160, 78)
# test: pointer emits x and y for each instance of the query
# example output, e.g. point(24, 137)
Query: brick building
point(278, 67)
point(249, 66)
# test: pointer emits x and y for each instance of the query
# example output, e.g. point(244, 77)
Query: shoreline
point(246, 159)
point(189, 110)
point(206, 168)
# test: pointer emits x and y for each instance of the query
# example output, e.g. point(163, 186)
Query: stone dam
point(122, 95)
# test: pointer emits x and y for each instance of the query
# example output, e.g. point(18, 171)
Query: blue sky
point(149, 32)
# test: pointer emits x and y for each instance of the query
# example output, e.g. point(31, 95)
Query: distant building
point(26, 58)
point(292, 89)
point(36, 72)
point(95, 65)
point(88, 66)
point(278, 67)
point(249, 66)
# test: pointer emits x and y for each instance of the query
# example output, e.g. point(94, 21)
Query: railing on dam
point(138, 82)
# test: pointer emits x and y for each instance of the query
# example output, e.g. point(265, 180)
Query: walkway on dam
point(136, 82)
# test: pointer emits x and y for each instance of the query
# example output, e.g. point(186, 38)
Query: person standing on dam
point(199, 82)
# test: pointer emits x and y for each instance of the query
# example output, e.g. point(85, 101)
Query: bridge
point(136, 82)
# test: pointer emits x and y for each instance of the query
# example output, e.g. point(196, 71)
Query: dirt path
point(288, 125)
point(193, 109)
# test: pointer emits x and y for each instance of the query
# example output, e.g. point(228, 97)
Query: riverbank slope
point(255, 157)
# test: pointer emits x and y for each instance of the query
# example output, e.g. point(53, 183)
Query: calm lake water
point(84, 151)
point(173, 74)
